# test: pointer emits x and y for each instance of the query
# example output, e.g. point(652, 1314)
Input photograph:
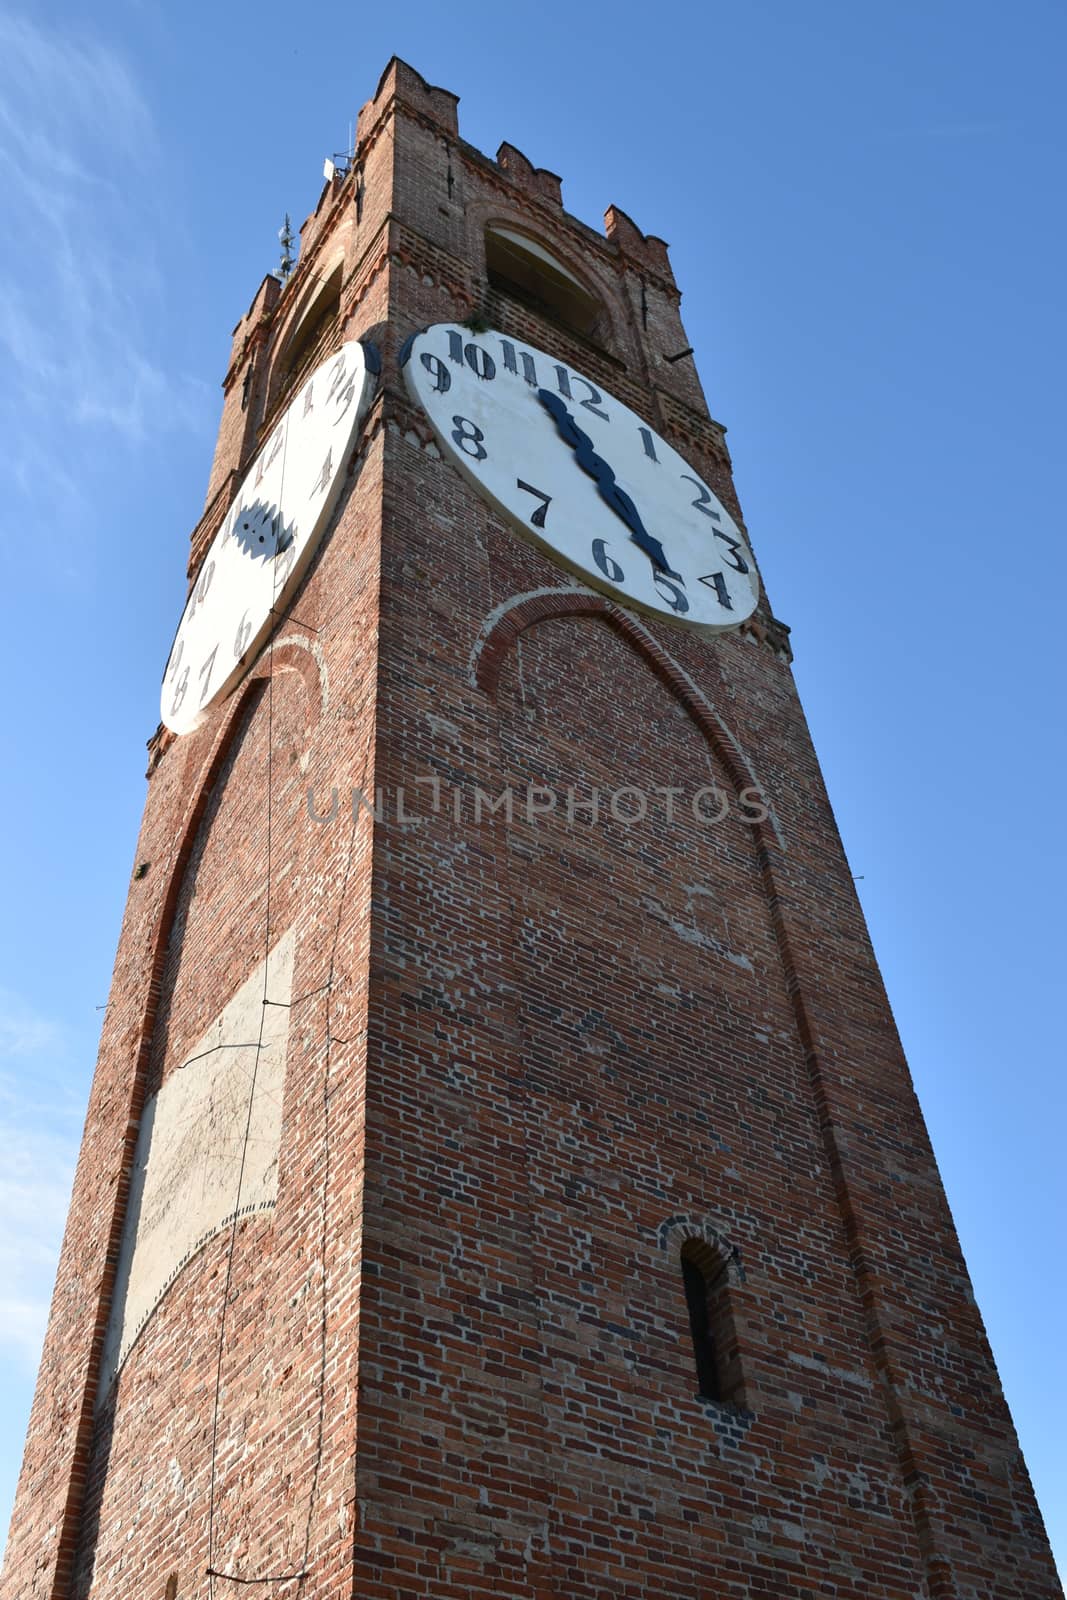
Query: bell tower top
point(448, 233)
point(502, 1176)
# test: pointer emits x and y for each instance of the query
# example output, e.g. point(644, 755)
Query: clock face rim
point(590, 578)
point(286, 511)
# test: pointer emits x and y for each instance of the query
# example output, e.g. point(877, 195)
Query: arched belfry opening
point(526, 270)
point(306, 344)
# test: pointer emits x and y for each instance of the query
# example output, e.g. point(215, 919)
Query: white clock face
point(261, 552)
point(583, 476)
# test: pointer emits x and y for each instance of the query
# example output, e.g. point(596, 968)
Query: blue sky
point(864, 206)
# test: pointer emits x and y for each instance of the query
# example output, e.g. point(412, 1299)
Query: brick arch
point(540, 231)
point(504, 625)
point(141, 1051)
point(281, 377)
point(719, 1249)
point(312, 298)
point(600, 277)
point(290, 654)
point(556, 241)
point(294, 653)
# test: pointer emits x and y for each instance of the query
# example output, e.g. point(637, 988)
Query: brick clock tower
point(501, 1176)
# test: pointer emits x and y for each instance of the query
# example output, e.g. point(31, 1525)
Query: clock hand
point(610, 491)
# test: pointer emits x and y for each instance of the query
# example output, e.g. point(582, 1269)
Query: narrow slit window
point(696, 1300)
point(706, 1285)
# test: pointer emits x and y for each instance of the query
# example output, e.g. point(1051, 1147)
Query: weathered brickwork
point(529, 1058)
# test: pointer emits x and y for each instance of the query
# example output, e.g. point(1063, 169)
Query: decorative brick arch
point(140, 1044)
point(295, 653)
point(677, 1232)
point(291, 653)
point(503, 626)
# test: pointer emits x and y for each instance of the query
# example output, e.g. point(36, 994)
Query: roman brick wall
point(526, 1059)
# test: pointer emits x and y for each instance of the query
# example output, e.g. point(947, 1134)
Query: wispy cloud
point(82, 279)
point(39, 1118)
point(36, 1171)
point(22, 1031)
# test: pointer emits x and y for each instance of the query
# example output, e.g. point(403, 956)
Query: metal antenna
point(285, 234)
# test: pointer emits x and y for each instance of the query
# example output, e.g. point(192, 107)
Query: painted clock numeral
point(607, 564)
point(442, 378)
point(347, 395)
point(529, 370)
point(207, 669)
point(269, 455)
point(322, 482)
point(176, 660)
point(241, 637)
point(340, 384)
point(675, 596)
point(200, 591)
point(738, 561)
point(593, 401)
point(179, 692)
point(717, 581)
point(537, 517)
point(480, 361)
point(465, 433)
point(703, 500)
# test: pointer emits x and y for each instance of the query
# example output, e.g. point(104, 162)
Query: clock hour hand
point(610, 491)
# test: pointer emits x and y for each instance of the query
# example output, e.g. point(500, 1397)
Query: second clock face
point(583, 476)
point(263, 548)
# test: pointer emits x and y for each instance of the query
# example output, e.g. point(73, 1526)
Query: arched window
point(706, 1285)
point(518, 266)
point(303, 343)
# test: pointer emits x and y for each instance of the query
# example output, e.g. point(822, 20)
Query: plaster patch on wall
point(184, 1185)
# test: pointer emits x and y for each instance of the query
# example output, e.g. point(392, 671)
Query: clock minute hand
point(603, 475)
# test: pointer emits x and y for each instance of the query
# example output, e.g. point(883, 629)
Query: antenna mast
point(286, 264)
